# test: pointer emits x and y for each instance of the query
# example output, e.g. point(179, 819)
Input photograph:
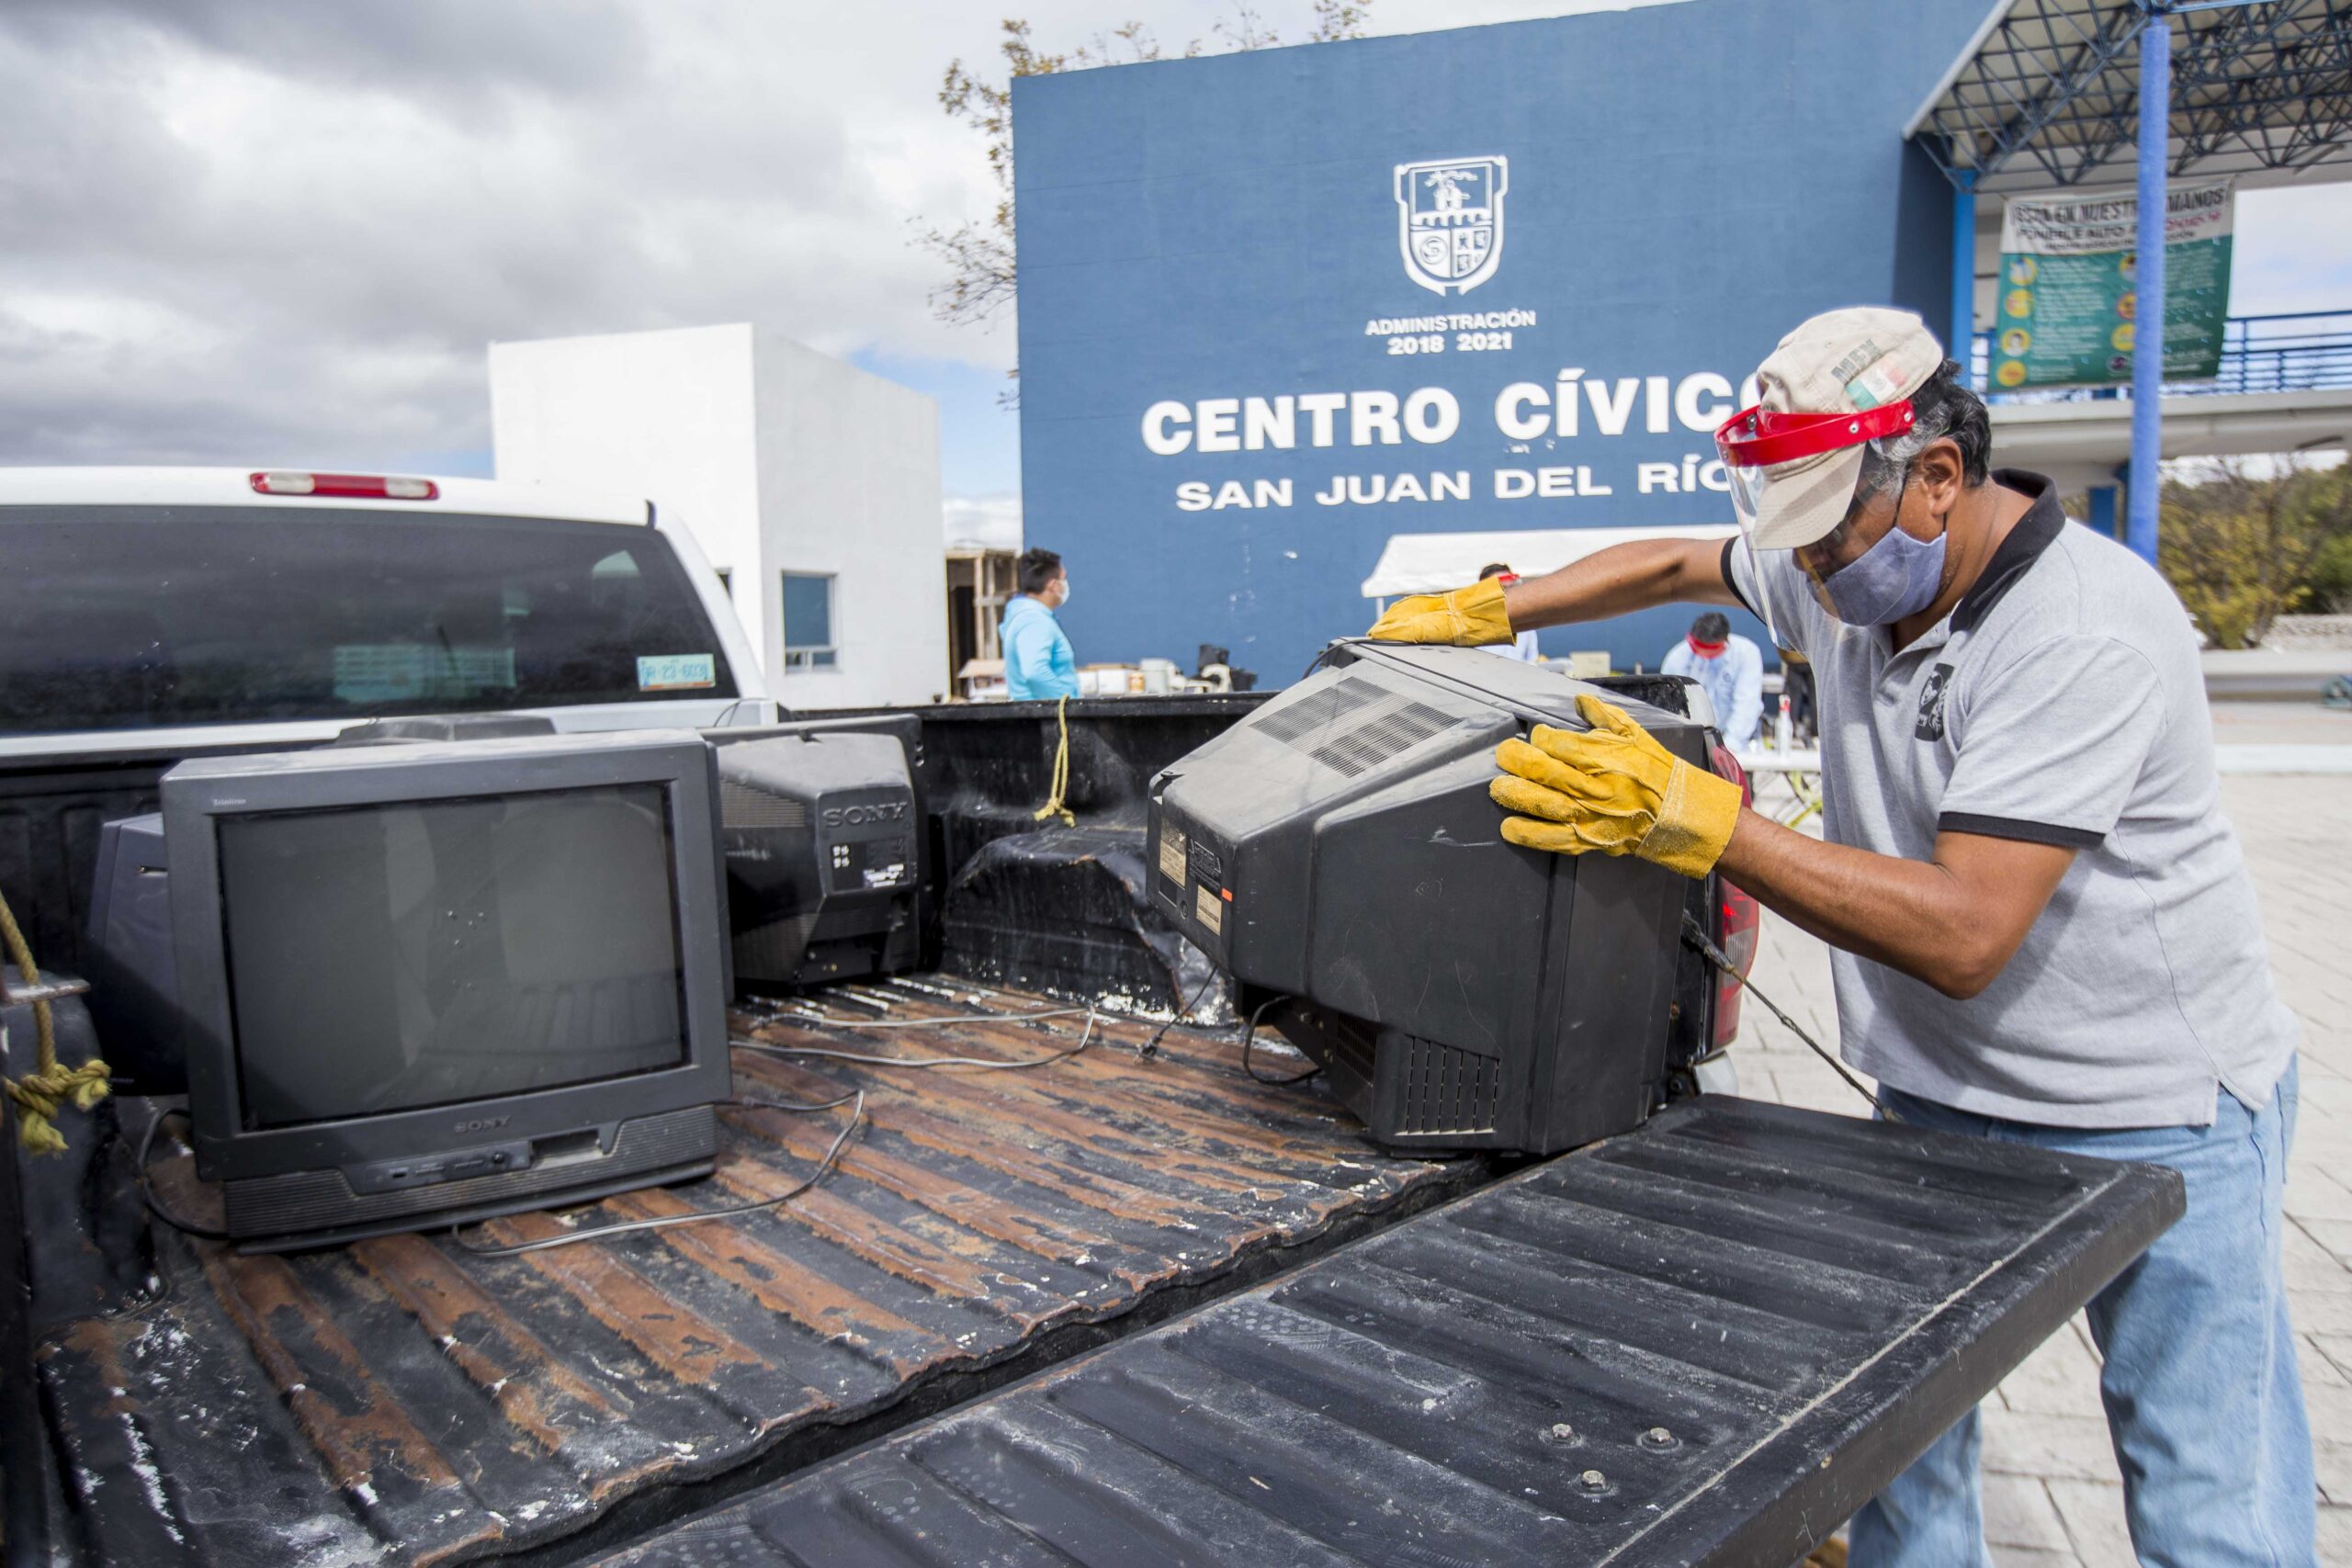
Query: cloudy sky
point(283, 230)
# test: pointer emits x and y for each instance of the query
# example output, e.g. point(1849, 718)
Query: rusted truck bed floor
point(1699, 1344)
point(399, 1400)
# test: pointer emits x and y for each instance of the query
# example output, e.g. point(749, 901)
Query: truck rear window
point(138, 618)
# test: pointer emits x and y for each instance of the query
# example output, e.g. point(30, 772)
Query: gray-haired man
point(2044, 930)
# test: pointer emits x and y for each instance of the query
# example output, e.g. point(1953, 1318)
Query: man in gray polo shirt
point(2042, 929)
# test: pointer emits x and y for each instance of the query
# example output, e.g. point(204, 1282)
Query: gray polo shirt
point(2060, 702)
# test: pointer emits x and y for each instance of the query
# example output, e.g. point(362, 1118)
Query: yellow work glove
point(1466, 617)
point(1614, 789)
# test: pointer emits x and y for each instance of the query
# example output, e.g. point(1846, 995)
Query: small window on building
point(808, 621)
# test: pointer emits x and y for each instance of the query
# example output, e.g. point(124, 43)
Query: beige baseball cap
point(1848, 361)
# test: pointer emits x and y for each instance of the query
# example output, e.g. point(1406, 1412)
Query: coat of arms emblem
point(1450, 220)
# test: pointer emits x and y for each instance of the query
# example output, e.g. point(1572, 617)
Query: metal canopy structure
point(2048, 94)
point(2043, 96)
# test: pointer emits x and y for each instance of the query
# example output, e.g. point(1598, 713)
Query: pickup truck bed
point(1802, 1301)
point(401, 1401)
point(1705, 1342)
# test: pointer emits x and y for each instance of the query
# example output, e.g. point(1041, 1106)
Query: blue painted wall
point(1685, 183)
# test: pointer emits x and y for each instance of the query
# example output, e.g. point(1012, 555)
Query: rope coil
point(1054, 806)
point(39, 1093)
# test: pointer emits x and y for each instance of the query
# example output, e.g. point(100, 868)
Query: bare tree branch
point(1248, 29)
point(980, 253)
point(1338, 19)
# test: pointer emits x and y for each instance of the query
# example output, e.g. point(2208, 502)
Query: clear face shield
point(1795, 477)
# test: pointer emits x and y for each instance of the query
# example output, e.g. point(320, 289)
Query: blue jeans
point(2203, 1401)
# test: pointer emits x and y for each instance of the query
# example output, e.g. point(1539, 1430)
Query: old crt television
point(822, 838)
point(434, 982)
point(1338, 848)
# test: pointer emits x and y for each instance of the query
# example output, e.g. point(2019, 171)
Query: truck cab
point(171, 609)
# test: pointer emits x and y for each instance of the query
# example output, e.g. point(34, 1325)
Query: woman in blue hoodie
point(1038, 662)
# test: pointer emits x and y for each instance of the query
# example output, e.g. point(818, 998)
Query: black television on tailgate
point(436, 982)
point(1338, 855)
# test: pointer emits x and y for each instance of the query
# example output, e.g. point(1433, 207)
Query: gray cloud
point(286, 231)
point(454, 47)
point(989, 521)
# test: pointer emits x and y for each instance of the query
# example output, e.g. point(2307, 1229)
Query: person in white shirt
point(1523, 646)
point(1731, 668)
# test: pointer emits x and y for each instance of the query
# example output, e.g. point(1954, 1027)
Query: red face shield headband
point(1786, 470)
point(1707, 649)
point(1761, 438)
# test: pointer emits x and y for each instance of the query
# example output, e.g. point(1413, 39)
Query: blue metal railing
point(2301, 351)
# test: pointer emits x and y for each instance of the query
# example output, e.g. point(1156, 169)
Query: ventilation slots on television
point(1337, 850)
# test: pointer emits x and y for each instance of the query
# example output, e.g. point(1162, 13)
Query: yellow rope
point(1054, 806)
point(40, 1092)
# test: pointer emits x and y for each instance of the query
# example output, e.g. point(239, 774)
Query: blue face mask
point(1898, 576)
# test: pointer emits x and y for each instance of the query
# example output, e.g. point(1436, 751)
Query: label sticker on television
point(675, 672)
point(1171, 853)
point(1209, 909)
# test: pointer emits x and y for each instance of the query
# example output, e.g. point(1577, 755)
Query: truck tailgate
point(402, 1400)
point(1707, 1341)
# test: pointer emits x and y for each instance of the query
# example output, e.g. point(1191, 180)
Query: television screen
point(404, 956)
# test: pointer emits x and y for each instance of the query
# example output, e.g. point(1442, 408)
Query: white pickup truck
point(1149, 1303)
point(174, 607)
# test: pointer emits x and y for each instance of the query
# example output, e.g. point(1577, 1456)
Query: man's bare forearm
point(1953, 922)
point(1619, 579)
point(1872, 905)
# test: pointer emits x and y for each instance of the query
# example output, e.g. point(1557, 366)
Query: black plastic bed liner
point(401, 1402)
point(1708, 1341)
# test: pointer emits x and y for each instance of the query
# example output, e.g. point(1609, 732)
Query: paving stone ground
point(2052, 1495)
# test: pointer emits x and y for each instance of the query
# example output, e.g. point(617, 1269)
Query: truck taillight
point(1725, 765)
point(1739, 921)
point(361, 487)
point(1739, 918)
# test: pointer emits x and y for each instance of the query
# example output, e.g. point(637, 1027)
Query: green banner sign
point(2067, 314)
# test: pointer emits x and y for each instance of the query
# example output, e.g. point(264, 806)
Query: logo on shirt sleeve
point(1931, 704)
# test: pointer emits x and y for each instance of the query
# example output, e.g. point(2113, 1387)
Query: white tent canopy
point(1432, 563)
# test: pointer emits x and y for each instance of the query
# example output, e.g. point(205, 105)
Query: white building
point(812, 486)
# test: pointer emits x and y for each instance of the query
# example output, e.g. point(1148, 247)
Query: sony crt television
point(431, 983)
point(822, 839)
point(1338, 855)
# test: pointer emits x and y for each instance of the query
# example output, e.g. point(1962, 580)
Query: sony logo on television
point(484, 1124)
point(854, 816)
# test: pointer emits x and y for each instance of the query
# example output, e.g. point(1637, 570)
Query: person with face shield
point(2042, 930)
point(1731, 670)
